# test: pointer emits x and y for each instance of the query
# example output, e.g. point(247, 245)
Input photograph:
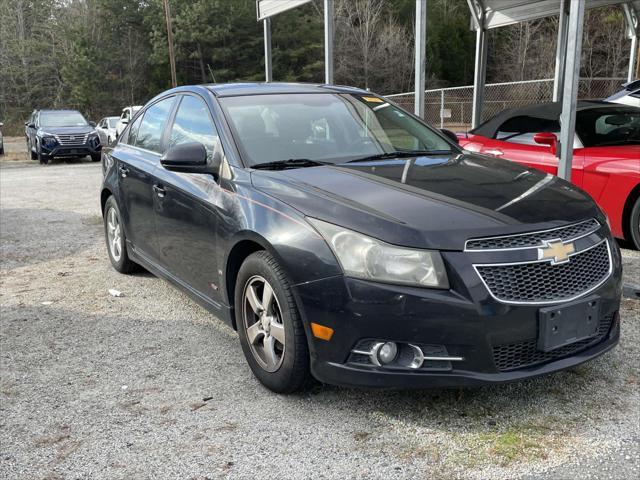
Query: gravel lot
point(150, 385)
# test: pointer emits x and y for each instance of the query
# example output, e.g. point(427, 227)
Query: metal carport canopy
point(488, 14)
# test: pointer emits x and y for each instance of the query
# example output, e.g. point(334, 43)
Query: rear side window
point(522, 129)
point(132, 133)
point(193, 124)
point(149, 134)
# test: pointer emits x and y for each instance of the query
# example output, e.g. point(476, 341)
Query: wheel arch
point(626, 211)
point(104, 195)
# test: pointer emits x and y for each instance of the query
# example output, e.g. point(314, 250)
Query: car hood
point(67, 130)
point(431, 201)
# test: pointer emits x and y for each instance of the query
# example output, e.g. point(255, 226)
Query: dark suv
point(61, 133)
point(344, 238)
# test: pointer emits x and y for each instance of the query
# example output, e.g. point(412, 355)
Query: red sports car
point(606, 152)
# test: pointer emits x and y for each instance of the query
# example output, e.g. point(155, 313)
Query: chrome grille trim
point(547, 301)
point(72, 139)
point(591, 226)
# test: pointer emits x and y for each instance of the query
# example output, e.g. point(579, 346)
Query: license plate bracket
point(569, 323)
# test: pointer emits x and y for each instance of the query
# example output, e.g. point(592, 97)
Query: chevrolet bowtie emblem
point(556, 251)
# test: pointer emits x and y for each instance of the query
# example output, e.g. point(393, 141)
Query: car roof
point(58, 110)
point(548, 111)
point(241, 89)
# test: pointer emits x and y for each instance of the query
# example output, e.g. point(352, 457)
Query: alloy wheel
point(263, 323)
point(114, 234)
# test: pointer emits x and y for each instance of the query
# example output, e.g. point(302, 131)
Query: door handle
point(123, 171)
point(160, 191)
point(494, 151)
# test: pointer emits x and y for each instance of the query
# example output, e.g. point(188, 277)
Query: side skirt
point(223, 312)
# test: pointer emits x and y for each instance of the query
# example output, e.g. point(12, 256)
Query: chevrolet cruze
point(346, 240)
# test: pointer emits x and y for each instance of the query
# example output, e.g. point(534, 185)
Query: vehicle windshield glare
point(599, 127)
point(324, 127)
point(62, 119)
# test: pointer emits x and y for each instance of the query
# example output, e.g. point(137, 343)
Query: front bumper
point(465, 320)
point(58, 150)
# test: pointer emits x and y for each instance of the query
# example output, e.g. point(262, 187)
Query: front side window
point(324, 127)
point(62, 119)
point(193, 124)
point(599, 127)
point(149, 135)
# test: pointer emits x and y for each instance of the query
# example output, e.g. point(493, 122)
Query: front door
point(185, 204)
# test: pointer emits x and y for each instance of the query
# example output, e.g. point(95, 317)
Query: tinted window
point(599, 127)
point(522, 129)
point(153, 122)
point(193, 124)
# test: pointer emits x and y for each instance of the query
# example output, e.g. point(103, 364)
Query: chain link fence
point(452, 107)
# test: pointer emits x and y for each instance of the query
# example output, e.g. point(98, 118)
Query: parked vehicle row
point(345, 239)
point(606, 155)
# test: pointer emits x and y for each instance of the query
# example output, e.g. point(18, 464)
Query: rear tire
point(116, 238)
point(278, 354)
point(634, 224)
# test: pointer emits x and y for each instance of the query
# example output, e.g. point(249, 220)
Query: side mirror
point(450, 135)
point(93, 124)
point(31, 125)
point(547, 138)
point(190, 158)
point(124, 121)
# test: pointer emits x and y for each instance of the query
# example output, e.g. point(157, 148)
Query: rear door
point(185, 212)
point(136, 157)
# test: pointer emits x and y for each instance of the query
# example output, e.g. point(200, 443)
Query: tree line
point(100, 55)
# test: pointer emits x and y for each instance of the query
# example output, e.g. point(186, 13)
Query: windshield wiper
point(290, 163)
point(399, 154)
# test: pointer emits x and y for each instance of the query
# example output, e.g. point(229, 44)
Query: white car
point(106, 129)
point(630, 95)
point(125, 118)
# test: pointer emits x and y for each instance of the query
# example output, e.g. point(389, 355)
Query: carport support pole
point(633, 30)
point(561, 51)
point(328, 41)
point(570, 89)
point(421, 57)
point(480, 67)
point(268, 74)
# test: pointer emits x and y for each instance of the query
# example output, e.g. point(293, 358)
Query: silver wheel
point(114, 234)
point(263, 323)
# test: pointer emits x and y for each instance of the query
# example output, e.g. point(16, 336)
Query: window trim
point(142, 113)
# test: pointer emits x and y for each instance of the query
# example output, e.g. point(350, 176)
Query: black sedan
point(346, 240)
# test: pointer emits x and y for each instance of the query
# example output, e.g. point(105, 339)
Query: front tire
point(634, 224)
point(42, 158)
point(271, 332)
point(95, 157)
point(34, 155)
point(116, 238)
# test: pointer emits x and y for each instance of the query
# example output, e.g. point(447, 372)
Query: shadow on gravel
point(29, 236)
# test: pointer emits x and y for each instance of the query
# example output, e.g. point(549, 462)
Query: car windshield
point(111, 122)
point(599, 127)
point(62, 119)
point(325, 128)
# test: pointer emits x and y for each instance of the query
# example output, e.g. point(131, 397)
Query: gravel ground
point(151, 385)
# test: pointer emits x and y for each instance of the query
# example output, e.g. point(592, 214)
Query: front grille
point(539, 282)
point(72, 139)
point(525, 354)
point(535, 239)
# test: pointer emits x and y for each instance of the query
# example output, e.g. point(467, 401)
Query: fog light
point(387, 353)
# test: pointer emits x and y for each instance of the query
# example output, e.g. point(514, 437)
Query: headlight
point(48, 140)
point(370, 259)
